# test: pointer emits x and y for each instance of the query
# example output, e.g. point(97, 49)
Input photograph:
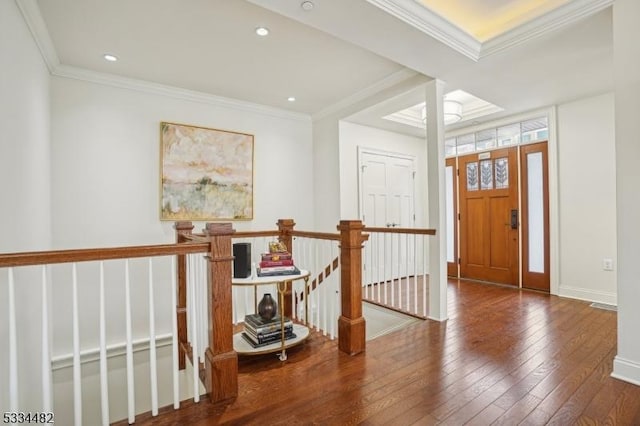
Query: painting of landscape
point(207, 174)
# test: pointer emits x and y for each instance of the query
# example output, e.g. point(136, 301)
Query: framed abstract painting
point(207, 174)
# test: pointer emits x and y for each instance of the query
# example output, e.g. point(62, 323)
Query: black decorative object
point(267, 308)
point(241, 260)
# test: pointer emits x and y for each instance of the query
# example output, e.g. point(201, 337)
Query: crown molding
point(406, 118)
point(32, 17)
point(390, 80)
point(105, 79)
point(420, 17)
point(473, 112)
point(564, 15)
point(432, 24)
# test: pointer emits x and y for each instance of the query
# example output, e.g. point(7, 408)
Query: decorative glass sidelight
point(535, 197)
point(486, 174)
point(502, 173)
point(472, 176)
point(450, 213)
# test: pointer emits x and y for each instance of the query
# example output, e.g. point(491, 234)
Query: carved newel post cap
point(215, 228)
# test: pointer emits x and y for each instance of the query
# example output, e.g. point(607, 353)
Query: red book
point(275, 257)
point(282, 262)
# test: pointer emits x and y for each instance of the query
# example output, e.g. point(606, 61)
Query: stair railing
point(136, 281)
point(396, 270)
point(130, 278)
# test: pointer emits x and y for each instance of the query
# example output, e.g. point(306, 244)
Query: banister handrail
point(92, 254)
point(316, 235)
point(199, 238)
point(255, 234)
point(415, 231)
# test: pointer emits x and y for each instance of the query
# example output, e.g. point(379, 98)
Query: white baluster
point(325, 291)
point(377, 262)
point(234, 305)
point(406, 271)
point(318, 292)
point(77, 371)
point(190, 280)
point(153, 369)
point(333, 292)
point(304, 261)
point(415, 274)
point(393, 280)
point(129, 346)
point(191, 291)
point(47, 394)
point(399, 236)
point(104, 384)
point(424, 276)
point(174, 337)
point(13, 347)
point(203, 321)
point(384, 266)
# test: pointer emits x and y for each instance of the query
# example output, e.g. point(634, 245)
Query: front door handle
point(514, 219)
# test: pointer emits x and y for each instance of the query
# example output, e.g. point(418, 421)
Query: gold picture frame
point(206, 174)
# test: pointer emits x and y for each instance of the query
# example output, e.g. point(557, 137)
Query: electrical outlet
point(607, 264)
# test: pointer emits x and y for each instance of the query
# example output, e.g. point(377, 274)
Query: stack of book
point(277, 263)
point(260, 332)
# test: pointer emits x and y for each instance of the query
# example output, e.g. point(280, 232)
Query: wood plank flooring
point(504, 357)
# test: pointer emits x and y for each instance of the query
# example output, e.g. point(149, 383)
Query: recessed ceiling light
point(109, 57)
point(307, 5)
point(291, 99)
point(262, 31)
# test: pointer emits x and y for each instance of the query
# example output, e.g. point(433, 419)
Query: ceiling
point(485, 19)
point(516, 54)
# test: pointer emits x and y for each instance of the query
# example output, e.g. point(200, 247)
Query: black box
point(242, 260)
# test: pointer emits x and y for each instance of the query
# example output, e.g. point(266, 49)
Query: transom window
point(536, 129)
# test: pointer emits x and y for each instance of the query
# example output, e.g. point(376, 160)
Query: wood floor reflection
point(504, 357)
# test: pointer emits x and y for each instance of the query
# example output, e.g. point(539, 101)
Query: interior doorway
point(387, 200)
point(387, 188)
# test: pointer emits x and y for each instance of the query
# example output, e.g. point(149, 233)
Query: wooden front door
point(489, 216)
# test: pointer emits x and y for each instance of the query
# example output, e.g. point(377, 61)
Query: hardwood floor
point(504, 357)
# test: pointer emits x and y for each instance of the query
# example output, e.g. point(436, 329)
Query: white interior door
point(387, 199)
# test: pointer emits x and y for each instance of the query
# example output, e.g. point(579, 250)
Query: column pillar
point(221, 365)
point(436, 188)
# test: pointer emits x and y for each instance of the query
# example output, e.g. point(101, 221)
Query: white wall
point(105, 163)
point(106, 188)
point(24, 191)
point(626, 52)
point(353, 136)
point(326, 187)
point(24, 146)
point(587, 198)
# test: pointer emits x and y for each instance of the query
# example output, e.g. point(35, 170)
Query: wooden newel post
point(285, 228)
point(182, 230)
point(221, 365)
point(351, 324)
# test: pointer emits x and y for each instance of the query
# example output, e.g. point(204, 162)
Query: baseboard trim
point(588, 295)
point(626, 370)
